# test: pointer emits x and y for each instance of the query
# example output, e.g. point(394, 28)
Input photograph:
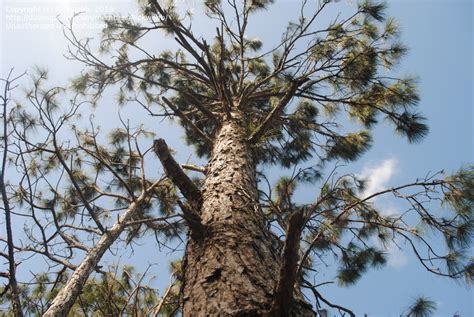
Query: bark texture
point(233, 269)
point(185, 185)
point(285, 288)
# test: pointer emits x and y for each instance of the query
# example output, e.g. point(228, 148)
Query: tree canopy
point(301, 106)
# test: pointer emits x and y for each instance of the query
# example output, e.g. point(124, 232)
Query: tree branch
point(193, 219)
point(318, 296)
point(285, 288)
point(195, 102)
point(277, 110)
point(159, 306)
point(183, 182)
point(66, 297)
point(15, 292)
point(195, 168)
point(188, 121)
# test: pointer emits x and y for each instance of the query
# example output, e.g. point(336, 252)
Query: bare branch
point(182, 181)
point(195, 168)
point(285, 287)
point(188, 121)
point(276, 111)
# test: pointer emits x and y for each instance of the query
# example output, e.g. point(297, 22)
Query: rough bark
point(231, 270)
point(287, 278)
point(184, 184)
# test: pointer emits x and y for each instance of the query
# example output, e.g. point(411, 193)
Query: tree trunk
point(232, 270)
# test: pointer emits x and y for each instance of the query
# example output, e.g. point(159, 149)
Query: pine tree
point(245, 110)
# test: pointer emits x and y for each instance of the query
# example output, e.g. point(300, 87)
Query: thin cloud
point(396, 257)
point(377, 176)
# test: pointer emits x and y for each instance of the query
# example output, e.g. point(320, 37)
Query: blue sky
point(439, 34)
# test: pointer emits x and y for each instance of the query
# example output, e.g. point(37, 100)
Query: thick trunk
point(233, 269)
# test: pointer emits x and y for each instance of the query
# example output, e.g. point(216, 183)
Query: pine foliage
point(313, 99)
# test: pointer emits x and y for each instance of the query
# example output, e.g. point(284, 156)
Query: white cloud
point(388, 209)
point(396, 257)
point(377, 176)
